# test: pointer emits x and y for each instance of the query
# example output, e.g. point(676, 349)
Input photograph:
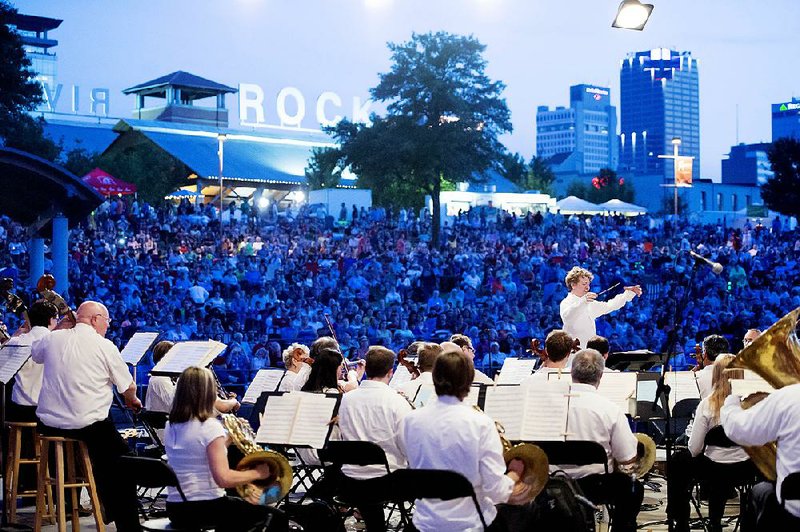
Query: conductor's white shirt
point(449, 434)
point(80, 368)
point(372, 412)
point(578, 314)
point(594, 417)
point(776, 418)
point(28, 382)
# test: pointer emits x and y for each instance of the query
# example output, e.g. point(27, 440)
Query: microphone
point(716, 267)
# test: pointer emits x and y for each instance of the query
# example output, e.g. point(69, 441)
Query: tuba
point(264, 491)
point(645, 457)
point(775, 357)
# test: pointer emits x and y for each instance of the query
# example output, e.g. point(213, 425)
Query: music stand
point(639, 360)
point(13, 358)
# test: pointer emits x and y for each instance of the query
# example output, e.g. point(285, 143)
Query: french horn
point(278, 484)
point(775, 357)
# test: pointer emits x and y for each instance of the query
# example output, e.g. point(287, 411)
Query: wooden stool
point(13, 463)
point(66, 479)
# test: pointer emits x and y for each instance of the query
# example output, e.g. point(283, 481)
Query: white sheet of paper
point(266, 380)
point(618, 387)
point(137, 346)
point(12, 358)
point(683, 385)
point(401, 375)
point(312, 423)
point(515, 369)
point(279, 415)
point(472, 397)
point(424, 396)
point(506, 405)
point(185, 354)
point(744, 387)
point(546, 411)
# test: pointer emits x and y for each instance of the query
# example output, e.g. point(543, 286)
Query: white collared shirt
point(542, 375)
point(704, 382)
point(776, 418)
point(410, 388)
point(80, 368)
point(28, 382)
point(373, 412)
point(593, 417)
point(578, 314)
point(449, 434)
point(704, 422)
point(160, 392)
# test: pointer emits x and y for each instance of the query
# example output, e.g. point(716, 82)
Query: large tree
point(781, 192)
point(606, 185)
point(444, 116)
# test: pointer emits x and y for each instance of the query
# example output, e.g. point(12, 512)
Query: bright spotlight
point(300, 196)
point(263, 202)
point(632, 15)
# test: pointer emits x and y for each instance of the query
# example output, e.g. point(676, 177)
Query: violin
point(576, 346)
point(698, 357)
point(537, 351)
point(410, 366)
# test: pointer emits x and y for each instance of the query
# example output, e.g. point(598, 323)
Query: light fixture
point(632, 15)
point(263, 202)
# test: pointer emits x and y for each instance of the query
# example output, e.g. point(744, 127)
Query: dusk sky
point(748, 51)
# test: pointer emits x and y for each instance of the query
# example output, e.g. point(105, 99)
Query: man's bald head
point(95, 315)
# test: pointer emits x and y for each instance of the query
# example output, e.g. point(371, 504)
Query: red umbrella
point(106, 184)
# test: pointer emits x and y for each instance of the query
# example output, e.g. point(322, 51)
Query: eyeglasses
point(108, 320)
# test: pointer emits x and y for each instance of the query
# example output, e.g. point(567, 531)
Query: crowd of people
point(265, 279)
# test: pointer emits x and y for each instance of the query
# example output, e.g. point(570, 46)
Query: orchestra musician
point(297, 369)
point(557, 348)
point(580, 308)
point(330, 347)
point(80, 368)
point(776, 418)
point(719, 467)
point(465, 343)
point(600, 344)
point(426, 356)
point(196, 445)
point(750, 336)
point(373, 413)
point(447, 434)
point(593, 417)
point(713, 346)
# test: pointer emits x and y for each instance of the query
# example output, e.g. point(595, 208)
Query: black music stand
point(639, 360)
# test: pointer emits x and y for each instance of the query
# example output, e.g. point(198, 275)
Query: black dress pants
point(117, 494)
point(621, 491)
point(227, 514)
point(764, 512)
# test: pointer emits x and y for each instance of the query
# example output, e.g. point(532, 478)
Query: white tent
point(575, 205)
point(619, 206)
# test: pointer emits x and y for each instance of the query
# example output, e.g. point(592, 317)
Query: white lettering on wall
point(251, 97)
point(285, 118)
point(333, 99)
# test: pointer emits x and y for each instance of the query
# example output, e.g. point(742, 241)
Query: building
point(582, 138)
point(786, 120)
point(34, 32)
point(747, 164)
point(659, 100)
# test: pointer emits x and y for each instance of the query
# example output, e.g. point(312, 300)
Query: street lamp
point(220, 152)
point(632, 15)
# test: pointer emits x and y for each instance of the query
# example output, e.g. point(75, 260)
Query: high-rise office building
point(786, 120)
point(659, 100)
point(33, 32)
point(584, 134)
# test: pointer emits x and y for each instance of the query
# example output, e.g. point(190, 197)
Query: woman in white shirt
point(719, 468)
point(196, 445)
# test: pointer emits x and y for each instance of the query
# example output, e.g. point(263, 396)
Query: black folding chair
point(362, 453)
point(682, 413)
point(790, 488)
point(412, 484)
point(152, 422)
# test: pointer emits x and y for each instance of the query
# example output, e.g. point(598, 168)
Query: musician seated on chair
point(557, 346)
point(593, 417)
point(600, 344)
point(776, 418)
point(465, 343)
point(448, 434)
point(196, 445)
point(713, 346)
point(297, 370)
point(719, 468)
point(373, 413)
point(426, 356)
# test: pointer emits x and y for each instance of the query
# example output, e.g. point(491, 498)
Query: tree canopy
point(606, 185)
point(444, 116)
point(781, 193)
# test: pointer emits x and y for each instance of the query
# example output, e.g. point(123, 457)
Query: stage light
point(632, 15)
point(263, 202)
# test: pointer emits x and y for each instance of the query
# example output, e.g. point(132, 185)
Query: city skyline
point(536, 48)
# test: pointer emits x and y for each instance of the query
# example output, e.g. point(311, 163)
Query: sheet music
point(279, 414)
point(12, 358)
point(744, 387)
point(401, 376)
point(185, 354)
point(546, 411)
point(474, 394)
point(515, 369)
point(620, 388)
point(312, 424)
point(425, 394)
point(683, 385)
point(266, 380)
point(137, 346)
point(506, 405)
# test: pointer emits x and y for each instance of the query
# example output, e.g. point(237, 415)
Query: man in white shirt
point(297, 371)
point(713, 346)
point(776, 418)
point(448, 434)
point(80, 369)
point(465, 343)
point(426, 356)
point(557, 347)
point(373, 412)
point(593, 417)
point(580, 308)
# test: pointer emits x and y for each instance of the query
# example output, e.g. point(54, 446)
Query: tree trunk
point(436, 215)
